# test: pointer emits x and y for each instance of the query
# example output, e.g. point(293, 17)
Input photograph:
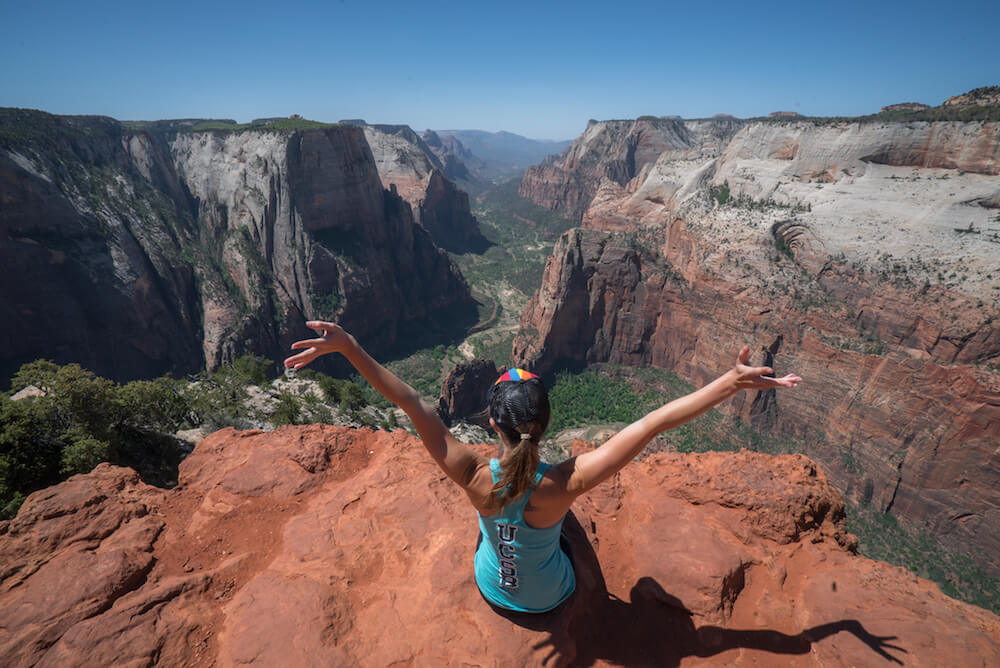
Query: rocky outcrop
point(837, 244)
point(987, 96)
point(619, 151)
point(410, 167)
point(464, 391)
point(300, 546)
point(170, 250)
point(906, 106)
point(817, 149)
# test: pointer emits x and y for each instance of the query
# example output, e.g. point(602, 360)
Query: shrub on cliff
point(73, 420)
point(77, 420)
point(219, 399)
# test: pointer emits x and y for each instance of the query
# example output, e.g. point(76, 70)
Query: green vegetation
point(423, 369)
point(720, 193)
point(882, 537)
point(280, 125)
point(495, 345)
point(591, 397)
point(326, 306)
point(77, 420)
point(783, 247)
point(608, 393)
point(934, 114)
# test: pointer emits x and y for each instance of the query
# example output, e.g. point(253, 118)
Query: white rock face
point(240, 172)
point(918, 198)
point(914, 211)
point(398, 156)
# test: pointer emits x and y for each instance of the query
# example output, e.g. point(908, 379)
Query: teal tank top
point(519, 567)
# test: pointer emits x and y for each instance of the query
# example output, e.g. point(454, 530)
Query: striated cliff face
point(299, 546)
point(410, 167)
point(862, 255)
point(169, 251)
point(92, 221)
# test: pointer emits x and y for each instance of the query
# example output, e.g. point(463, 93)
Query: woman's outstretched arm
point(592, 468)
point(457, 460)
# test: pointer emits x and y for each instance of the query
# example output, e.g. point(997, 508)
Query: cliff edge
point(326, 546)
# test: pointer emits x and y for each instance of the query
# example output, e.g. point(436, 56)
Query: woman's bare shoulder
point(553, 483)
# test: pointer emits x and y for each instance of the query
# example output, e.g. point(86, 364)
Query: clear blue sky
point(537, 69)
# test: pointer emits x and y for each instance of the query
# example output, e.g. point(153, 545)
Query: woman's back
point(520, 566)
point(548, 503)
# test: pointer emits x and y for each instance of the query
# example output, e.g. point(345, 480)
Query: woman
point(521, 502)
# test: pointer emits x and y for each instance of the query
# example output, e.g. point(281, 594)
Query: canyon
point(862, 255)
point(137, 249)
point(320, 545)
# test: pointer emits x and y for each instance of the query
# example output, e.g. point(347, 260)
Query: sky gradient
point(539, 71)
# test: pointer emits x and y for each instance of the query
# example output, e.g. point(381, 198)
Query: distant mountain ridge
point(504, 153)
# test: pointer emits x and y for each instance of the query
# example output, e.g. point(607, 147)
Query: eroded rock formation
point(464, 391)
point(868, 249)
point(170, 250)
point(329, 546)
point(410, 167)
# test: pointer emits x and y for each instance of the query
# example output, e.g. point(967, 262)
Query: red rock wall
point(920, 431)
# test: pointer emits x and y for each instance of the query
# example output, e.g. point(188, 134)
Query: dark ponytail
point(521, 411)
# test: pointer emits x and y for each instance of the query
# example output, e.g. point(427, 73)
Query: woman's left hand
point(756, 377)
point(333, 340)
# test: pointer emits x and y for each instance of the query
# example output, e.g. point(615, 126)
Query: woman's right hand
point(758, 377)
point(333, 340)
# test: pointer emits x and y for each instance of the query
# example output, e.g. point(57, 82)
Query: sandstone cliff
point(863, 254)
point(329, 546)
point(410, 167)
point(143, 249)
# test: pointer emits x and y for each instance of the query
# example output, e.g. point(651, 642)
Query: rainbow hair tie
point(515, 375)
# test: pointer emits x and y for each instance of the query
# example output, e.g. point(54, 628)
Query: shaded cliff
point(862, 254)
point(411, 168)
point(169, 249)
point(91, 240)
point(299, 546)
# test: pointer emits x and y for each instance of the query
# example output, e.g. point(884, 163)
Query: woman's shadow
point(654, 628)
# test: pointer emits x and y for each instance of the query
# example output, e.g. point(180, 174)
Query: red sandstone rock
point(922, 431)
point(330, 546)
point(668, 274)
point(984, 96)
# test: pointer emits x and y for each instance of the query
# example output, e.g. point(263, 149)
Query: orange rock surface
point(328, 546)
